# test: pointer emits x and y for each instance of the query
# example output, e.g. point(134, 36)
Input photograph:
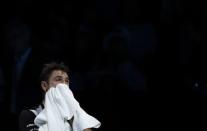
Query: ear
point(44, 85)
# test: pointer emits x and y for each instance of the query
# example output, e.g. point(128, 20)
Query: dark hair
point(50, 67)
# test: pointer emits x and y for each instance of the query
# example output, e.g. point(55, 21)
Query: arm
point(88, 129)
point(26, 121)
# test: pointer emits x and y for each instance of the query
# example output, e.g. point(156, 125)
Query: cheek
point(53, 84)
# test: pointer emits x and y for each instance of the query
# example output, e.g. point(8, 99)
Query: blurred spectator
point(140, 40)
point(127, 47)
point(17, 36)
point(19, 67)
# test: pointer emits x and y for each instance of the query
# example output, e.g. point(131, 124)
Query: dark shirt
point(26, 119)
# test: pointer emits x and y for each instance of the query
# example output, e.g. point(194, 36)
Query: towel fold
point(60, 107)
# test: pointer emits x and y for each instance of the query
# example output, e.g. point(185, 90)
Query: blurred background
point(134, 65)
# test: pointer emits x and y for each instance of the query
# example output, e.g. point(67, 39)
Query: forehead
point(58, 73)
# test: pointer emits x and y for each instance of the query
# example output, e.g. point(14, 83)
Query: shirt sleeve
point(26, 121)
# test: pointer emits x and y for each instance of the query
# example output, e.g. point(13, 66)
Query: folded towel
point(61, 106)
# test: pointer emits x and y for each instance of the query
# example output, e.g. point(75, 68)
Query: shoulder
point(26, 120)
point(30, 113)
point(26, 115)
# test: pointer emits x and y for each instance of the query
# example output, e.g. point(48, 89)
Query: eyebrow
point(61, 77)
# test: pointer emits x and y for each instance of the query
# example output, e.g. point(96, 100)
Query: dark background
point(134, 65)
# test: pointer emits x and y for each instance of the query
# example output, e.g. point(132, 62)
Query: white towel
point(60, 106)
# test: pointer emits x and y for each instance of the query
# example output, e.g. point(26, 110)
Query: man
point(51, 75)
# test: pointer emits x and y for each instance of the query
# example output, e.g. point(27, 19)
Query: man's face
point(57, 77)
